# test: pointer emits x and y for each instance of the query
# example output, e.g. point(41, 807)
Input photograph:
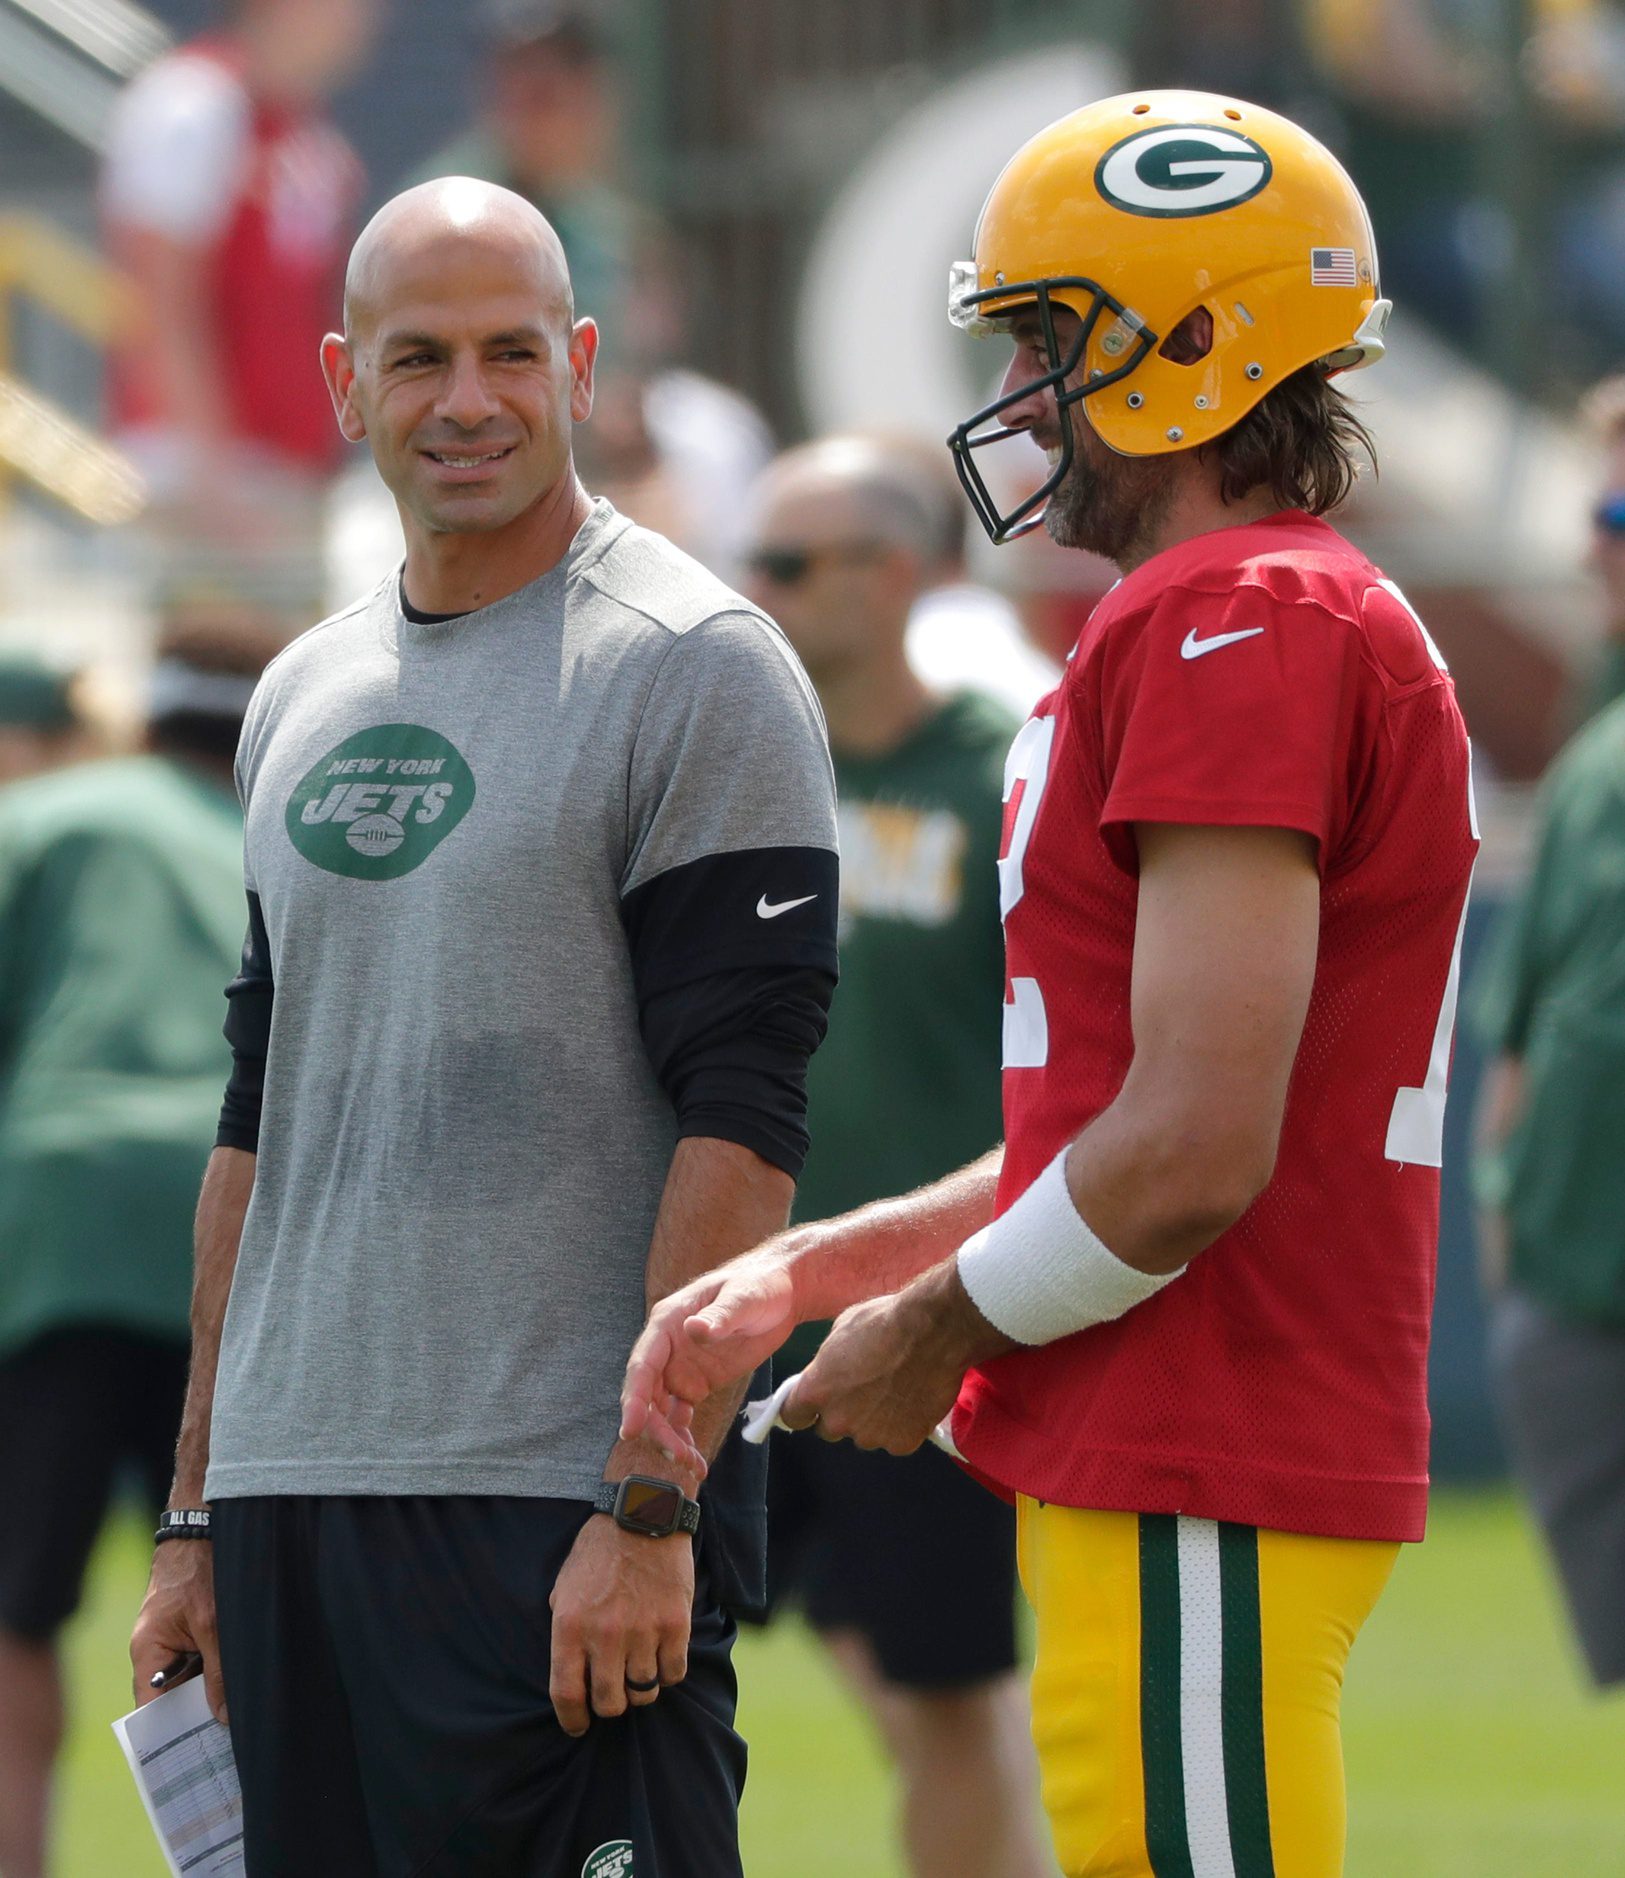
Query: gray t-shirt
point(463, 1145)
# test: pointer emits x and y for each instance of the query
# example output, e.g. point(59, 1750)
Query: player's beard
point(1108, 504)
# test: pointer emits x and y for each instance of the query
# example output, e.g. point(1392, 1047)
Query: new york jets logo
point(380, 803)
point(1182, 169)
point(612, 1860)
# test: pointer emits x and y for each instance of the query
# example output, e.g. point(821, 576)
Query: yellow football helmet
point(1134, 212)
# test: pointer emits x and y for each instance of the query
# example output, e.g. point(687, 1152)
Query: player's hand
point(711, 1333)
point(890, 1370)
point(622, 1608)
point(177, 1615)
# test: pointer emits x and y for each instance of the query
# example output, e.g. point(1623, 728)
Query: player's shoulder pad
point(1332, 578)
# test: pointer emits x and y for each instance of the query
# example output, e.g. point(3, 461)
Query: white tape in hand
point(763, 1416)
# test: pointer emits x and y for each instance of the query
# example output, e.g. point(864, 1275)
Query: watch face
point(650, 1505)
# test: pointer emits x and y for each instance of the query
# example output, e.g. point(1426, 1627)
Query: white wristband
point(1040, 1272)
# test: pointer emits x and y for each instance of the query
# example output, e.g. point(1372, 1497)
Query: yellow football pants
point(1187, 1689)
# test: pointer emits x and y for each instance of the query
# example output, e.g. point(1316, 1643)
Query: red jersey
point(276, 241)
point(1265, 675)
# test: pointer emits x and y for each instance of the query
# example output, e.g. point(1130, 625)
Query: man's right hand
point(177, 1615)
point(709, 1334)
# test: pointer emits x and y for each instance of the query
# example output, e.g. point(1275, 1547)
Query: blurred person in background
point(120, 919)
point(674, 449)
point(1421, 87)
point(1549, 1171)
point(40, 725)
point(906, 1568)
point(1550, 1180)
point(548, 128)
point(229, 199)
point(1604, 410)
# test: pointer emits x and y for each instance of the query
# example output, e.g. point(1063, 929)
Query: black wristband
point(184, 1522)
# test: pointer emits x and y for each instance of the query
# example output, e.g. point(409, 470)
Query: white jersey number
point(1026, 770)
point(1416, 1121)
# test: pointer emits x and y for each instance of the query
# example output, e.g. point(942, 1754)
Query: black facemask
point(967, 438)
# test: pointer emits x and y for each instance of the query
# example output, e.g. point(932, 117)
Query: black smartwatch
point(655, 1508)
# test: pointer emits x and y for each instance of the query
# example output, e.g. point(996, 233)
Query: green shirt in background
point(121, 919)
point(1607, 680)
point(905, 1088)
point(1553, 994)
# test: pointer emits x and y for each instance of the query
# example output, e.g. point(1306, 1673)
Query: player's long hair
point(1301, 441)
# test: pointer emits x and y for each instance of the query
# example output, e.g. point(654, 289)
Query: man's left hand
point(890, 1370)
point(622, 1608)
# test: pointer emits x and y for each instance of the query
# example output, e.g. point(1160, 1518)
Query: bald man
point(541, 878)
point(905, 1567)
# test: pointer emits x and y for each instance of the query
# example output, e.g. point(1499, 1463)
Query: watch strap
point(183, 1522)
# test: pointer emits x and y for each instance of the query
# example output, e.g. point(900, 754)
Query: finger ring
point(642, 1688)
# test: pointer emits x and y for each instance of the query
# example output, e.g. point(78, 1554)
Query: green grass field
point(1473, 1749)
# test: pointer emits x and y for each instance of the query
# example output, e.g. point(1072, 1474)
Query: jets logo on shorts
point(613, 1859)
point(1182, 169)
point(380, 803)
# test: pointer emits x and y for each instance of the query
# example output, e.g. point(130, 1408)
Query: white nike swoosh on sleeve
point(1193, 648)
point(766, 909)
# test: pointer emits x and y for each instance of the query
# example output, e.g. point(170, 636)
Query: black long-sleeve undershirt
point(733, 960)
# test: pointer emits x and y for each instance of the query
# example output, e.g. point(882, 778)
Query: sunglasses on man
point(788, 567)
point(1608, 517)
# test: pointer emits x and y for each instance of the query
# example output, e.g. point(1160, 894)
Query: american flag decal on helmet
point(1332, 267)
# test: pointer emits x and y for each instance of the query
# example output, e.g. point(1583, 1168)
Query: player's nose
point(465, 398)
point(1036, 408)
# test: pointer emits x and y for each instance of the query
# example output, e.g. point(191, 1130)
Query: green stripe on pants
point(1242, 1703)
point(1161, 1752)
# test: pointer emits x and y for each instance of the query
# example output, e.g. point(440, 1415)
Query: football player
point(1182, 1316)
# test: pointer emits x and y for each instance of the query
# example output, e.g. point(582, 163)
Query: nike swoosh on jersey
point(1193, 648)
point(766, 909)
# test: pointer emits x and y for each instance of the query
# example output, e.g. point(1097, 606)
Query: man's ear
point(338, 368)
point(583, 359)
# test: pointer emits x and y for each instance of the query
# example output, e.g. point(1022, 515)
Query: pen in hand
point(177, 1669)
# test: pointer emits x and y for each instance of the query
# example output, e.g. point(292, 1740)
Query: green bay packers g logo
point(611, 1860)
point(1182, 169)
point(380, 803)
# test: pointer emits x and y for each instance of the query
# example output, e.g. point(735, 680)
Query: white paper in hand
point(763, 1416)
point(182, 1761)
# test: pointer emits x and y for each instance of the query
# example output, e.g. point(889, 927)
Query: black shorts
point(910, 1552)
point(80, 1406)
point(386, 1663)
